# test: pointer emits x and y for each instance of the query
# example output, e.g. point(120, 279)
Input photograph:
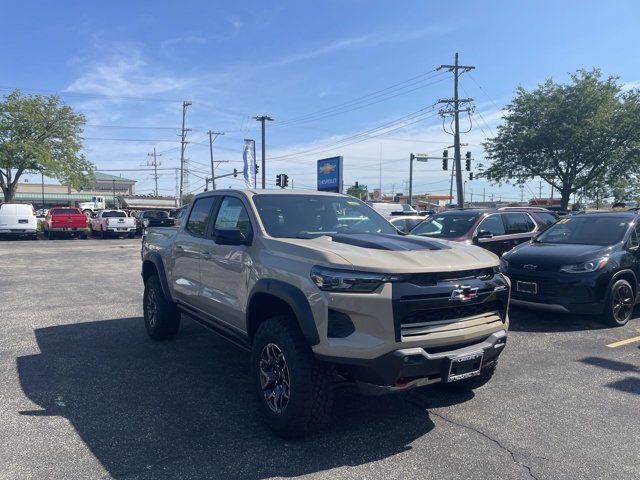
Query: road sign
point(330, 174)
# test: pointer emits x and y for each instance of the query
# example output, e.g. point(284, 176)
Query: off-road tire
point(163, 320)
point(311, 391)
point(617, 318)
point(469, 384)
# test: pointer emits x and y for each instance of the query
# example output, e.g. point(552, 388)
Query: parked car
point(18, 220)
point(585, 264)
point(405, 223)
point(67, 221)
point(153, 218)
point(312, 298)
point(112, 223)
point(96, 204)
point(495, 230)
point(388, 210)
point(178, 213)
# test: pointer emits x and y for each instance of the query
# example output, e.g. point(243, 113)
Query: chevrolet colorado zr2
point(319, 287)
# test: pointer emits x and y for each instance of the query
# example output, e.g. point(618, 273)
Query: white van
point(17, 220)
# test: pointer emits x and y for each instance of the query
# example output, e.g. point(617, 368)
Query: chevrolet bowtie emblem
point(464, 293)
point(327, 168)
point(530, 266)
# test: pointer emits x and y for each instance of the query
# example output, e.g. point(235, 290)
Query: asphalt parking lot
point(85, 394)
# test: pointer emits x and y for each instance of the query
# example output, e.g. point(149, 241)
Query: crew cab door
point(188, 247)
point(490, 234)
point(224, 267)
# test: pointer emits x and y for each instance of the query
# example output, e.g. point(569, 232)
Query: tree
point(571, 136)
point(359, 192)
point(40, 134)
point(187, 198)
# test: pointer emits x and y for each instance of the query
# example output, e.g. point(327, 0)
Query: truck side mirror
point(484, 234)
point(230, 236)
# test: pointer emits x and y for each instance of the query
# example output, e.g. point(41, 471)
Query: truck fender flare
point(296, 299)
point(156, 260)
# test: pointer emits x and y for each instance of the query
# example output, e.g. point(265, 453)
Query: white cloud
point(125, 73)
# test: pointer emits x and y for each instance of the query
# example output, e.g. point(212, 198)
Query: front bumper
point(412, 367)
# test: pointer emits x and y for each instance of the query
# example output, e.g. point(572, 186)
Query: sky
point(354, 78)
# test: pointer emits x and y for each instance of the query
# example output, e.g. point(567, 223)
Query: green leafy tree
point(40, 134)
point(359, 192)
point(572, 136)
point(187, 198)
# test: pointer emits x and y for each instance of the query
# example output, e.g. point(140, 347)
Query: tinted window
point(634, 239)
point(309, 216)
point(66, 211)
point(517, 222)
point(232, 214)
point(155, 215)
point(446, 225)
point(587, 230)
point(199, 216)
point(114, 215)
point(493, 224)
point(546, 217)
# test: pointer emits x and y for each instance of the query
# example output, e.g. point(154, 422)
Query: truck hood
point(394, 253)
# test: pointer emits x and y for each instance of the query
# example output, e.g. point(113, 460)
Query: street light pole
point(262, 119)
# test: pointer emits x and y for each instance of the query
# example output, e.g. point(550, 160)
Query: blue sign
point(330, 174)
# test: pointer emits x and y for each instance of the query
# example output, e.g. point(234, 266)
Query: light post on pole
point(419, 157)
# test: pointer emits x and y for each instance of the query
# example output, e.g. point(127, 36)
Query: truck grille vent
point(452, 313)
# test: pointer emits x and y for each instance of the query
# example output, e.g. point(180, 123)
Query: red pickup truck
point(67, 221)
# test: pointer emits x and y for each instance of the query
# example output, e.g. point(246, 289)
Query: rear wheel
point(161, 316)
point(50, 234)
point(131, 234)
point(103, 234)
point(620, 303)
point(294, 389)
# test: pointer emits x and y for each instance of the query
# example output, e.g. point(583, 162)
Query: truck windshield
point(113, 214)
point(446, 225)
point(586, 230)
point(309, 216)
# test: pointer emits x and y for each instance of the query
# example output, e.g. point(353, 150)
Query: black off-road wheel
point(620, 303)
point(470, 384)
point(161, 316)
point(294, 389)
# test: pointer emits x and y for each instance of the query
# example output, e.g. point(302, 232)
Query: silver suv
point(319, 287)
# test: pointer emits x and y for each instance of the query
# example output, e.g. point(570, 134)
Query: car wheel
point(103, 234)
point(83, 236)
point(50, 235)
point(161, 316)
point(294, 389)
point(131, 235)
point(620, 302)
point(470, 384)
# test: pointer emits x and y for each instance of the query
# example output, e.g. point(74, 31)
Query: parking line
point(623, 342)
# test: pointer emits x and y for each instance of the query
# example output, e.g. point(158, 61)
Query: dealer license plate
point(527, 287)
point(465, 366)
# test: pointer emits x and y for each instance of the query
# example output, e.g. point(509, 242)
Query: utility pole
point(114, 194)
point(262, 119)
point(155, 164)
point(213, 167)
point(183, 143)
point(540, 190)
point(483, 192)
point(453, 169)
point(457, 70)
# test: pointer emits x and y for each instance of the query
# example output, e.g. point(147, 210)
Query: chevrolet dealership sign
point(330, 174)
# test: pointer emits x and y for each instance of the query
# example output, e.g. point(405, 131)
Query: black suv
point(495, 230)
point(587, 263)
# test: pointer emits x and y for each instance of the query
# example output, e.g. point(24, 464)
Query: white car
point(389, 210)
point(112, 223)
point(18, 220)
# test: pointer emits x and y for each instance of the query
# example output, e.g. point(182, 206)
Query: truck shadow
point(185, 408)
point(524, 320)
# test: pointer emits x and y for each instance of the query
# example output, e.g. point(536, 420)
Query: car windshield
point(586, 230)
point(309, 216)
point(446, 225)
point(114, 214)
point(155, 215)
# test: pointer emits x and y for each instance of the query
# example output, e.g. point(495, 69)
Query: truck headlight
point(590, 266)
point(334, 280)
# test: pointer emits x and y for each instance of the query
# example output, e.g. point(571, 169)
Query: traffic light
point(285, 180)
point(467, 164)
point(445, 160)
point(235, 172)
point(257, 167)
point(356, 185)
point(470, 175)
point(279, 180)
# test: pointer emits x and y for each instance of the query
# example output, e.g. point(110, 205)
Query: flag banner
point(249, 158)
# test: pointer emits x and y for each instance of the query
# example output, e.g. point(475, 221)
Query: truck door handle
point(206, 254)
point(179, 247)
